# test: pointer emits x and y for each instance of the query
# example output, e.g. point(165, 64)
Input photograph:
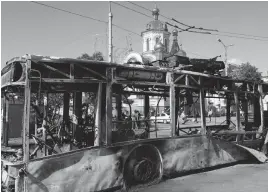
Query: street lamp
point(225, 47)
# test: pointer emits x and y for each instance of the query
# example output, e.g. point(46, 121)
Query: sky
point(29, 28)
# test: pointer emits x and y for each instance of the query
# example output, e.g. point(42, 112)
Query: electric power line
point(139, 6)
point(66, 11)
point(131, 9)
point(244, 34)
point(182, 30)
point(126, 30)
point(189, 27)
point(81, 37)
point(216, 34)
point(84, 16)
point(200, 28)
point(159, 14)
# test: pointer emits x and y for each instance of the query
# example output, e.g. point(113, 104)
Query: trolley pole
point(109, 90)
point(226, 49)
point(110, 47)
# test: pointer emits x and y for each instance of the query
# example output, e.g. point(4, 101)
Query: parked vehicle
point(161, 118)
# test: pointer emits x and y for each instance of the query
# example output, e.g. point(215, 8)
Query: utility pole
point(110, 47)
point(225, 48)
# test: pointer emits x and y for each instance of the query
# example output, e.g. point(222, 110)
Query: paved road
point(238, 178)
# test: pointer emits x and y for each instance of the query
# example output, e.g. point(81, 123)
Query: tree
point(127, 101)
point(85, 56)
point(245, 71)
point(97, 56)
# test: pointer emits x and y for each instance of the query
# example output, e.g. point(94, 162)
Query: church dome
point(155, 11)
point(175, 32)
point(157, 25)
point(159, 47)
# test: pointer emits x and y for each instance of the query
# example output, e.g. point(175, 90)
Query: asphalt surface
point(237, 178)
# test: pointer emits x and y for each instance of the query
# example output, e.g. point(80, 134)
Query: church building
point(156, 43)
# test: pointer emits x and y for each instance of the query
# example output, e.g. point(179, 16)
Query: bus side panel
point(101, 168)
point(90, 170)
point(187, 154)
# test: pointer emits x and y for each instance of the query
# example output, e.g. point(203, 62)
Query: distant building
point(156, 46)
point(265, 100)
point(156, 43)
point(265, 77)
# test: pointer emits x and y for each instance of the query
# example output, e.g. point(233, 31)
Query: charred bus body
point(78, 153)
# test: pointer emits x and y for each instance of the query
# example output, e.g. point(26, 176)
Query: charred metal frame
point(71, 75)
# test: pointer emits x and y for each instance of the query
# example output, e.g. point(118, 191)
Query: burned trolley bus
point(97, 151)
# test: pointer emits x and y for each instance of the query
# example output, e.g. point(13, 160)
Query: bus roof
point(56, 61)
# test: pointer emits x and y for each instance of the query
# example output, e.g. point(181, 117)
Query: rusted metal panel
point(97, 127)
point(202, 107)
point(96, 169)
point(26, 121)
point(109, 91)
point(60, 63)
point(260, 89)
point(87, 170)
point(13, 73)
point(172, 103)
point(5, 124)
point(237, 107)
point(140, 75)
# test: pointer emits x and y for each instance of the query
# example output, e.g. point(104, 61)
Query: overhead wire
point(84, 16)
point(201, 28)
point(83, 35)
point(216, 34)
point(181, 30)
point(126, 30)
point(66, 11)
point(187, 30)
point(131, 9)
point(244, 34)
point(172, 19)
point(189, 27)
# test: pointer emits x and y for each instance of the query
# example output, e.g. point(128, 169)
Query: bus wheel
point(143, 167)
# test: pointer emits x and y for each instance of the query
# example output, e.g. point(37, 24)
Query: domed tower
point(156, 31)
point(159, 50)
point(175, 48)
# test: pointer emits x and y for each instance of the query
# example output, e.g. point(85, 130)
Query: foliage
point(97, 56)
point(127, 101)
point(245, 71)
point(54, 104)
point(85, 56)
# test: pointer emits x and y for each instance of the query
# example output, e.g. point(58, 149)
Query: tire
point(143, 167)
